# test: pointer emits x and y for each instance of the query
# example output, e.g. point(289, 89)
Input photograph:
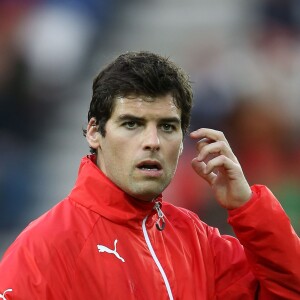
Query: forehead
point(146, 105)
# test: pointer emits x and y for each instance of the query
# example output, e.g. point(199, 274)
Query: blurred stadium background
point(244, 61)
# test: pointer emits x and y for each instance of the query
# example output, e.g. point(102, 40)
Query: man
point(114, 237)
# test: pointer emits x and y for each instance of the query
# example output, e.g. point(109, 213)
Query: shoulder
point(66, 225)
point(49, 245)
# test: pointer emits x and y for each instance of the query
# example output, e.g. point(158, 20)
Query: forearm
point(271, 245)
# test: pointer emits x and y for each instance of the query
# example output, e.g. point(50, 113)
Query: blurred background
point(244, 61)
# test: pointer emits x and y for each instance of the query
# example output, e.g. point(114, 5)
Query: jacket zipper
point(146, 236)
point(160, 223)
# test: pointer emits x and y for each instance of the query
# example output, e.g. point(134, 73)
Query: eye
point(130, 124)
point(168, 127)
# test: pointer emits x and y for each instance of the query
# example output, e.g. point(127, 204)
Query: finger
point(200, 167)
point(208, 133)
point(202, 143)
point(211, 150)
point(223, 164)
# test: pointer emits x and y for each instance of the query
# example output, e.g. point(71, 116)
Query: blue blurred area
point(244, 62)
point(100, 10)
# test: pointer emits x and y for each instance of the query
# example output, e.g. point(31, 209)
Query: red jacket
point(100, 243)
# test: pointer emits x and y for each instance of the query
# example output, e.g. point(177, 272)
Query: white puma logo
point(2, 296)
point(105, 249)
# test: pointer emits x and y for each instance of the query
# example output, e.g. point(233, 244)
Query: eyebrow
point(130, 117)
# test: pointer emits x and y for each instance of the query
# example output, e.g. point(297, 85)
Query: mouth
point(149, 165)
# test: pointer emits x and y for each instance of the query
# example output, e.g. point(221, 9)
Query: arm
point(21, 274)
point(31, 269)
point(271, 248)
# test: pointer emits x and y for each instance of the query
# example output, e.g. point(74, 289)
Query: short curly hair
point(142, 74)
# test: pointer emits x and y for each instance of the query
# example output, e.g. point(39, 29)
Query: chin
point(145, 191)
point(147, 195)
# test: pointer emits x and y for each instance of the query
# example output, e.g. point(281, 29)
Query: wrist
point(242, 200)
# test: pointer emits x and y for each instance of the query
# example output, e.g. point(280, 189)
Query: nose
point(151, 140)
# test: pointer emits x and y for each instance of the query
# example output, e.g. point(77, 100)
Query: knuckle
point(220, 133)
point(223, 158)
point(222, 144)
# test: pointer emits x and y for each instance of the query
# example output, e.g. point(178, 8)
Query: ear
point(93, 134)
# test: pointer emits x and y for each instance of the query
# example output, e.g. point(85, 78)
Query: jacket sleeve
point(20, 275)
point(28, 270)
point(272, 247)
point(263, 262)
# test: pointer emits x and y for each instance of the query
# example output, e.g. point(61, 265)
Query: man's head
point(139, 73)
point(139, 113)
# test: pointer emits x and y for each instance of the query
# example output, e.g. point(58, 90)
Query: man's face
point(143, 141)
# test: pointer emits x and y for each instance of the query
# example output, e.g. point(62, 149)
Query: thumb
point(200, 167)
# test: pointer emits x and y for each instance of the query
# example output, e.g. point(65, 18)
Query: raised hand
point(217, 164)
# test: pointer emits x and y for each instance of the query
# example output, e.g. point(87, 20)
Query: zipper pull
point(160, 223)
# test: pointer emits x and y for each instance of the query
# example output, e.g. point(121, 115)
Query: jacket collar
point(95, 191)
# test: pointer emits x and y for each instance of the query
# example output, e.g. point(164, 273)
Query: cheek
point(173, 156)
point(118, 154)
point(175, 150)
point(115, 165)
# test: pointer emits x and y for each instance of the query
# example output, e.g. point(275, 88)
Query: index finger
point(208, 133)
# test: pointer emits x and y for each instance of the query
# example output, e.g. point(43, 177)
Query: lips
point(149, 165)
